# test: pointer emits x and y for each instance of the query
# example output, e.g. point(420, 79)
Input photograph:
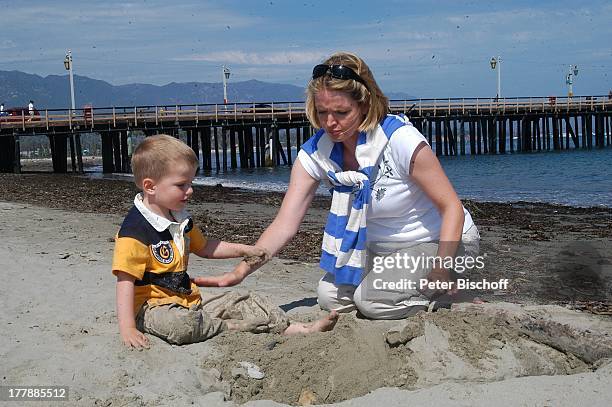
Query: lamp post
point(68, 66)
point(496, 65)
point(569, 80)
point(73, 138)
point(226, 75)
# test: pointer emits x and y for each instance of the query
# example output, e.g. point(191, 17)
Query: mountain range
point(53, 92)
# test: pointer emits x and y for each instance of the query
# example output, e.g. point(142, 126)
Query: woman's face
point(339, 114)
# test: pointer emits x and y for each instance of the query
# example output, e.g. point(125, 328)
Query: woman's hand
point(255, 256)
point(444, 284)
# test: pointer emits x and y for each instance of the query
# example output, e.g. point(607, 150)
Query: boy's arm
point(131, 336)
point(218, 249)
point(215, 249)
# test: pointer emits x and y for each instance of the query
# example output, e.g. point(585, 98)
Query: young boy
point(154, 292)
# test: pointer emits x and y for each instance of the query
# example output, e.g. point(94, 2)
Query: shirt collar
point(159, 222)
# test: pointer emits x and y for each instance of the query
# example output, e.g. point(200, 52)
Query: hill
point(53, 92)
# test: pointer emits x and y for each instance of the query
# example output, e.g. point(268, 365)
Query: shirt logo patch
point(163, 252)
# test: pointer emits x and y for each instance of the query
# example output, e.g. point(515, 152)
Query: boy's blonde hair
point(157, 154)
point(369, 94)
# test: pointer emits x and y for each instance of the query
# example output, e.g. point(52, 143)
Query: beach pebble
point(393, 338)
point(248, 369)
point(271, 345)
point(411, 330)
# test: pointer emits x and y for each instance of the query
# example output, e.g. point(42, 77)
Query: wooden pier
point(248, 135)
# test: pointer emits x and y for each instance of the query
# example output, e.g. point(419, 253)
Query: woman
point(392, 208)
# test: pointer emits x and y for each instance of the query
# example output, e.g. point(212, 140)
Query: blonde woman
point(394, 216)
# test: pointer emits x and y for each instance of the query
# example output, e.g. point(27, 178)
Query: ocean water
point(574, 177)
point(577, 178)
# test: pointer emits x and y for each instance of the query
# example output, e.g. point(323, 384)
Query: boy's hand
point(254, 256)
point(226, 280)
point(133, 338)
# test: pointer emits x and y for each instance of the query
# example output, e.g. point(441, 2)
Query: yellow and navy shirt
point(155, 251)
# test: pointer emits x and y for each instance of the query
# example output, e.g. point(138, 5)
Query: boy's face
point(174, 189)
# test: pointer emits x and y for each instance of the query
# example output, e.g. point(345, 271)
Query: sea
point(581, 178)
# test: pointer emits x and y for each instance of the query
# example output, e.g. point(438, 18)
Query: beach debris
point(584, 344)
point(594, 307)
point(272, 344)
point(588, 346)
point(64, 256)
point(247, 369)
point(307, 398)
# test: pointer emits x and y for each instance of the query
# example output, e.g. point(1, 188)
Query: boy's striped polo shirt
point(155, 251)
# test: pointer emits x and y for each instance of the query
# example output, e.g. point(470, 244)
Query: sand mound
point(470, 344)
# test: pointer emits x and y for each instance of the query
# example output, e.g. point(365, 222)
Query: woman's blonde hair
point(156, 155)
point(368, 94)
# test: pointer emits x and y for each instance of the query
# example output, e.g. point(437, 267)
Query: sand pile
point(484, 344)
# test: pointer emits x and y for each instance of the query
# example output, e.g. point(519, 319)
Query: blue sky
point(423, 48)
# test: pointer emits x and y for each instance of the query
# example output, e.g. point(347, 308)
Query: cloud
point(7, 44)
point(258, 58)
point(111, 13)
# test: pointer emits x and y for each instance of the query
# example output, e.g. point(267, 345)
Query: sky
point(422, 48)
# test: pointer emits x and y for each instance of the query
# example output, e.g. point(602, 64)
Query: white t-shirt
point(399, 210)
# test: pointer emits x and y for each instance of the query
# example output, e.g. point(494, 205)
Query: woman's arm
point(429, 175)
point(285, 225)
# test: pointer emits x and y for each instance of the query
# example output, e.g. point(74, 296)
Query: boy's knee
point(174, 325)
point(182, 331)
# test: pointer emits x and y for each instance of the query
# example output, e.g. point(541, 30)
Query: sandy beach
point(544, 341)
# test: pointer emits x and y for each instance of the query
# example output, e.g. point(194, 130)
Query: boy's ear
point(148, 186)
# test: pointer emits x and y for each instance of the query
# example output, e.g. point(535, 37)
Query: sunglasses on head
point(337, 71)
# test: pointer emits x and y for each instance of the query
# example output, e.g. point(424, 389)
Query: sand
point(60, 325)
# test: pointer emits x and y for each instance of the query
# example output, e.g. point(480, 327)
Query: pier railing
point(290, 111)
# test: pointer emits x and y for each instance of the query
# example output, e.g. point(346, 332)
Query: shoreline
point(233, 190)
point(268, 180)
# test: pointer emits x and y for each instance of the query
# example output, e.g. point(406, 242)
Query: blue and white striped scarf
point(344, 241)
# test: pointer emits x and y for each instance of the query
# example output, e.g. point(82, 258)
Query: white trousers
point(347, 298)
